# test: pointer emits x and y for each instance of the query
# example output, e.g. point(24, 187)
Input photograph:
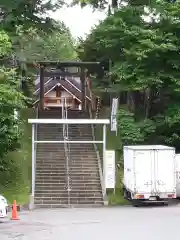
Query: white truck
point(149, 174)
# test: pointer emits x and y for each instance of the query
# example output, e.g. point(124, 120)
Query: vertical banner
point(113, 114)
point(110, 169)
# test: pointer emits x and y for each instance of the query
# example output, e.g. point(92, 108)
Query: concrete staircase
point(50, 185)
point(51, 166)
point(84, 170)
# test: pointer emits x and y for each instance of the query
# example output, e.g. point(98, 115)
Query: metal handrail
point(66, 146)
point(101, 173)
point(35, 144)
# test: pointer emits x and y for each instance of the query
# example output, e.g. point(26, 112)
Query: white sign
point(113, 114)
point(109, 169)
point(16, 115)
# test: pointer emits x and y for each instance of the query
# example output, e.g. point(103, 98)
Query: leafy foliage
point(10, 99)
point(34, 45)
point(145, 65)
point(27, 13)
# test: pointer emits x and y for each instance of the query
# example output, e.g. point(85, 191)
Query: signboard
point(16, 114)
point(113, 114)
point(109, 169)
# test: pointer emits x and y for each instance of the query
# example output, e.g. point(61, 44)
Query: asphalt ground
point(122, 223)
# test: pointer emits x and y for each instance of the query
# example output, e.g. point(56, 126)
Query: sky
point(80, 21)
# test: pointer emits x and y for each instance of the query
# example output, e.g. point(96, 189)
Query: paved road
point(123, 223)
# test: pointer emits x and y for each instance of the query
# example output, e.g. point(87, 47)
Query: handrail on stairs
point(99, 159)
point(35, 138)
point(66, 146)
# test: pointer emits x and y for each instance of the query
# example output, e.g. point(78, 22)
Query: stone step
point(62, 176)
point(81, 165)
point(60, 182)
point(63, 171)
point(75, 137)
point(51, 136)
point(49, 160)
point(60, 179)
point(54, 135)
point(59, 149)
point(50, 126)
point(58, 190)
point(50, 168)
point(51, 173)
point(50, 187)
point(63, 201)
point(48, 155)
point(72, 163)
point(72, 194)
point(57, 199)
point(45, 156)
point(74, 189)
point(82, 158)
point(51, 148)
point(72, 173)
point(84, 178)
point(54, 165)
point(50, 165)
point(61, 141)
point(50, 129)
point(74, 200)
point(49, 178)
point(57, 161)
point(86, 151)
point(56, 206)
point(50, 132)
point(57, 171)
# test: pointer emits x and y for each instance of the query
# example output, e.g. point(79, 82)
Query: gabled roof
point(70, 85)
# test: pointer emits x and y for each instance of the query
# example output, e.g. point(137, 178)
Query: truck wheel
point(165, 203)
point(135, 203)
point(125, 194)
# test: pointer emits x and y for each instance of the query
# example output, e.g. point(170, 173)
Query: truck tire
point(125, 194)
point(165, 203)
point(136, 203)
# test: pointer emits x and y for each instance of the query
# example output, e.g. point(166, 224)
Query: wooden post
point(58, 95)
point(83, 89)
point(41, 87)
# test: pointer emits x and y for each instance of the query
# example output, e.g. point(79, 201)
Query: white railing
point(34, 122)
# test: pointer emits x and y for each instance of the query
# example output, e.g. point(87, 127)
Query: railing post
point(104, 143)
point(104, 150)
point(33, 169)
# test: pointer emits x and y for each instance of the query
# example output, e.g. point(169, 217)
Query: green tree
point(35, 45)
point(145, 64)
point(27, 13)
point(10, 99)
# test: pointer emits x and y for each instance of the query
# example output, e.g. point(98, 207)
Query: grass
point(17, 186)
point(113, 142)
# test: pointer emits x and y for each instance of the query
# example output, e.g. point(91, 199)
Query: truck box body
point(150, 172)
